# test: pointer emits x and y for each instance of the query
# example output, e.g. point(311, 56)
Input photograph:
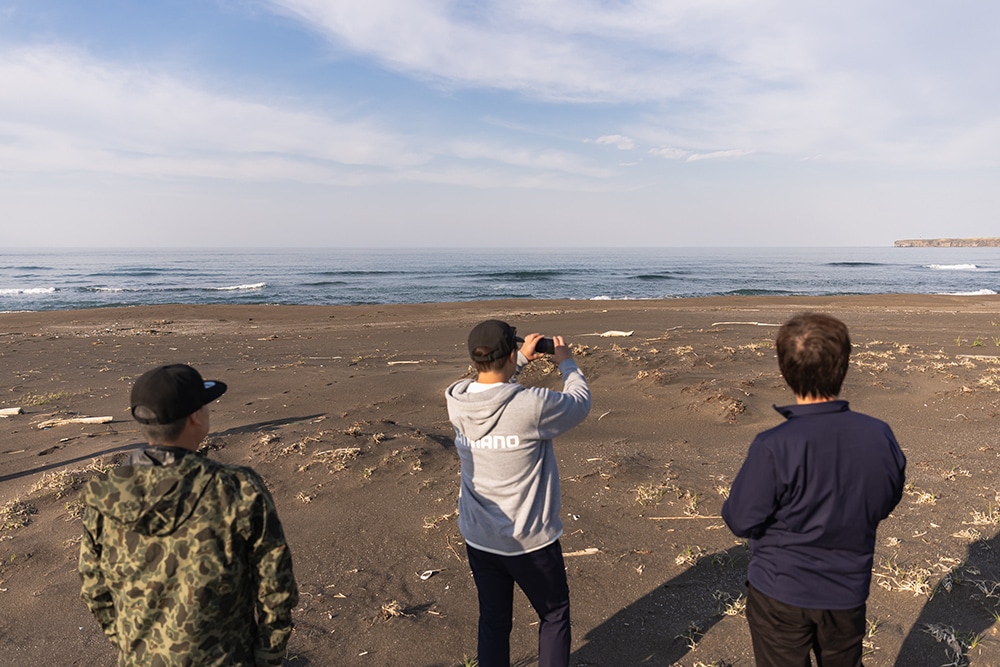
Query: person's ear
point(195, 418)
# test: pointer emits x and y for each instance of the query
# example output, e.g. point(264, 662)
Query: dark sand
point(675, 406)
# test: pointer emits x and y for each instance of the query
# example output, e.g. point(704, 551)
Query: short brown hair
point(814, 351)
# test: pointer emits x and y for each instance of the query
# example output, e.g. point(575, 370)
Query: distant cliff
point(948, 243)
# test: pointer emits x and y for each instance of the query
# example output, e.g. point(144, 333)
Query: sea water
point(66, 279)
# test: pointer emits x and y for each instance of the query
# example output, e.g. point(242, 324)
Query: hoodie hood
point(476, 414)
point(152, 501)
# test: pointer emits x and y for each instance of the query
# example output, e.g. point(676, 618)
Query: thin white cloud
point(517, 45)
point(547, 160)
point(895, 82)
point(621, 142)
point(73, 113)
point(669, 153)
point(719, 155)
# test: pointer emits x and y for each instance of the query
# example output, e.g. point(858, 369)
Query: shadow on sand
point(657, 629)
point(950, 628)
point(249, 428)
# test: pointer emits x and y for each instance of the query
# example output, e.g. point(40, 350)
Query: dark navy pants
point(542, 576)
point(783, 635)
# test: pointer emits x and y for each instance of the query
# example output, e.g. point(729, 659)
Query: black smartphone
point(545, 346)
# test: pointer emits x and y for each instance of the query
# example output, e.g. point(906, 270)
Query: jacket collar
point(158, 456)
point(808, 409)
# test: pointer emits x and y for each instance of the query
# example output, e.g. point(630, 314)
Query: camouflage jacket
point(185, 563)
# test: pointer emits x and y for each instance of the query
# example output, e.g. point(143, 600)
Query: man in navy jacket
point(810, 496)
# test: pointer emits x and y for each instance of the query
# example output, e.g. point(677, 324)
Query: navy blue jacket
point(809, 496)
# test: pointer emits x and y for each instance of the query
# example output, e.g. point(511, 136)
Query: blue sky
point(497, 122)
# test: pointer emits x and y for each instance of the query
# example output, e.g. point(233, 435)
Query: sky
point(497, 123)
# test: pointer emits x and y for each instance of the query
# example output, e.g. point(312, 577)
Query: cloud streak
point(74, 113)
point(854, 81)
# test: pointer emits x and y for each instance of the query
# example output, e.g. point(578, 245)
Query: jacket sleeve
point(896, 475)
point(94, 589)
point(271, 563)
point(752, 501)
point(565, 409)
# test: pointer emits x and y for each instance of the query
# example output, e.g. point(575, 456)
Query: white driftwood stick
point(589, 551)
point(397, 363)
point(755, 324)
point(48, 423)
point(10, 412)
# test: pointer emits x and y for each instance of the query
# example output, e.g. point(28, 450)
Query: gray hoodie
point(509, 503)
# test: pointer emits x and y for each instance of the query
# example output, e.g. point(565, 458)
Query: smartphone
point(545, 346)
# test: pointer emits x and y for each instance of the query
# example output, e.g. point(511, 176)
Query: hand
point(562, 352)
point(528, 346)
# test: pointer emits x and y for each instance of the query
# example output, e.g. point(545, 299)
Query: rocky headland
point(993, 242)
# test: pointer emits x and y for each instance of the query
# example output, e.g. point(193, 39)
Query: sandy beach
point(341, 410)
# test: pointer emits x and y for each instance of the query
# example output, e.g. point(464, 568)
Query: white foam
point(981, 292)
point(29, 290)
point(233, 288)
point(953, 267)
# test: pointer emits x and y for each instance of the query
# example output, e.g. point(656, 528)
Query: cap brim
point(214, 389)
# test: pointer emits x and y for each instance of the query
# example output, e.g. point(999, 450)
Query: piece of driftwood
point(589, 551)
point(49, 423)
point(10, 412)
point(753, 324)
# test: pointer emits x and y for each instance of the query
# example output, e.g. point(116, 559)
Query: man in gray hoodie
point(509, 504)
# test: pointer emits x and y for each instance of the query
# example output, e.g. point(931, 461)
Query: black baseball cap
point(494, 339)
point(170, 393)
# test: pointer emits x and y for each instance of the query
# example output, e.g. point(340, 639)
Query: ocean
point(67, 279)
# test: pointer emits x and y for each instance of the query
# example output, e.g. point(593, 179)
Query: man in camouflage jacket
point(183, 559)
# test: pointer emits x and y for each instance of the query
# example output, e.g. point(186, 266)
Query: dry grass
point(650, 493)
point(67, 480)
point(895, 577)
point(45, 399)
point(74, 510)
point(16, 514)
point(689, 555)
point(871, 362)
point(868, 642)
point(433, 520)
point(690, 507)
point(991, 517)
point(758, 348)
point(334, 459)
point(970, 534)
point(392, 609)
point(921, 497)
point(955, 473)
point(957, 645)
point(727, 605)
